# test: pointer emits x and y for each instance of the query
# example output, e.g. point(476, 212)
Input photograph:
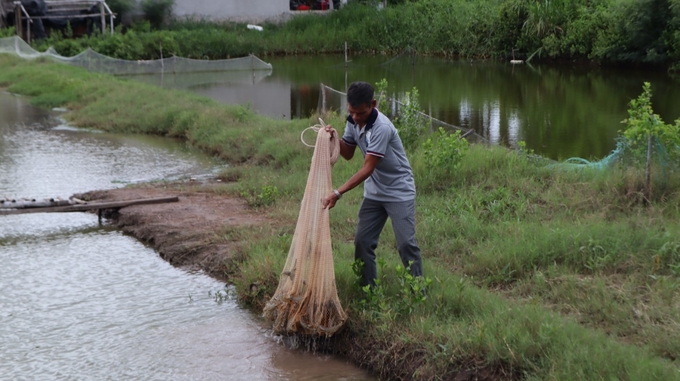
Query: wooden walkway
point(99, 206)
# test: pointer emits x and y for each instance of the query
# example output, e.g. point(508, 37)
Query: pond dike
point(183, 233)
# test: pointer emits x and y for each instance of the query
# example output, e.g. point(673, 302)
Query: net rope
point(306, 299)
point(334, 100)
point(93, 61)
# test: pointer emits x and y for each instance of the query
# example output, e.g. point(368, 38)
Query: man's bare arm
point(346, 150)
point(370, 162)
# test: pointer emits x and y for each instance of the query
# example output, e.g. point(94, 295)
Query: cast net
point(93, 61)
point(306, 300)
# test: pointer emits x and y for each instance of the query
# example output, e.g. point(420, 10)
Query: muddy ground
point(183, 233)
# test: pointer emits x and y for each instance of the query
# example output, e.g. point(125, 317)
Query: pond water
point(558, 111)
point(82, 301)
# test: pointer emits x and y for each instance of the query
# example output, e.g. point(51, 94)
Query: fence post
point(345, 53)
point(17, 19)
point(648, 170)
point(28, 23)
point(103, 16)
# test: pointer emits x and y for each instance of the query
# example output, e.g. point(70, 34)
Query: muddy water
point(81, 301)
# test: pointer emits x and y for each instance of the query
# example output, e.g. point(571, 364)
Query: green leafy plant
point(380, 307)
point(412, 289)
point(669, 255)
point(409, 123)
point(381, 94)
point(267, 195)
point(444, 151)
point(522, 147)
point(642, 123)
point(375, 305)
point(7, 32)
point(596, 256)
point(218, 296)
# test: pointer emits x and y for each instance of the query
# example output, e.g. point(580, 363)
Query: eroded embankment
point(185, 233)
point(191, 234)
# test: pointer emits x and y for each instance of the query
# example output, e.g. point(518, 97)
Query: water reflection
point(559, 111)
point(42, 158)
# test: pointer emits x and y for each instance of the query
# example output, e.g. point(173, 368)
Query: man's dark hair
point(359, 93)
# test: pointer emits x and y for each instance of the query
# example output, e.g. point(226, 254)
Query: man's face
point(361, 113)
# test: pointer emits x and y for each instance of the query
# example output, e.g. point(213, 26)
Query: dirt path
point(183, 233)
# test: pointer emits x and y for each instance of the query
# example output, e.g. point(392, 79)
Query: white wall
point(235, 10)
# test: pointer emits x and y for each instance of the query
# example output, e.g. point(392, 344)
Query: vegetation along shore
point(537, 271)
point(610, 32)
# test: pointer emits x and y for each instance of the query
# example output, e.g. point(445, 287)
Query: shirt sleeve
point(378, 140)
point(348, 137)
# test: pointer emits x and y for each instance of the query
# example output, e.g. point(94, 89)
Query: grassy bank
point(629, 32)
point(537, 273)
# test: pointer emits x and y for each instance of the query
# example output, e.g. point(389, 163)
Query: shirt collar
point(369, 123)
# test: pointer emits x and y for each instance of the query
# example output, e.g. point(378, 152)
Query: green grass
point(537, 273)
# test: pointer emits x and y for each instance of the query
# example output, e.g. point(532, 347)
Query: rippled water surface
point(81, 301)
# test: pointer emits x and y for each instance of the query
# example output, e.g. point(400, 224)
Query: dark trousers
point(372, 217)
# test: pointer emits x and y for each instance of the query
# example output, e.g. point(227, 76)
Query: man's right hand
point(329, 201)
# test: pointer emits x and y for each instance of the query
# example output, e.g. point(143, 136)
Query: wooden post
point(17, 19)
point(103, 16)
point(345, 53)
point(345, 83)
point(323, 99)
point(648, 170)
point(28, 25)
point(110, 19)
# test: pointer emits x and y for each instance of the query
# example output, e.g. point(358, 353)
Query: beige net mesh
point(306, 300)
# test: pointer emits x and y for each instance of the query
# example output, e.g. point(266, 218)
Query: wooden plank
point(65, 17)
point(91, 206)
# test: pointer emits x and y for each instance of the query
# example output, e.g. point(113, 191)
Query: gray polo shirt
point(392, 179)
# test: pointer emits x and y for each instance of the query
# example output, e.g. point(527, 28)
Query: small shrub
point(410, 120)
point(642, 123)
point(7, 32)
point(267, 195)
point(381, 94)
point(444, 151)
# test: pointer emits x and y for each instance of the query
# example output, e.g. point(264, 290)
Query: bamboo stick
point(648, 169)
point(89, 206)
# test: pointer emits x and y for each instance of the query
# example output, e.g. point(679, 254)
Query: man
point(389, 188)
